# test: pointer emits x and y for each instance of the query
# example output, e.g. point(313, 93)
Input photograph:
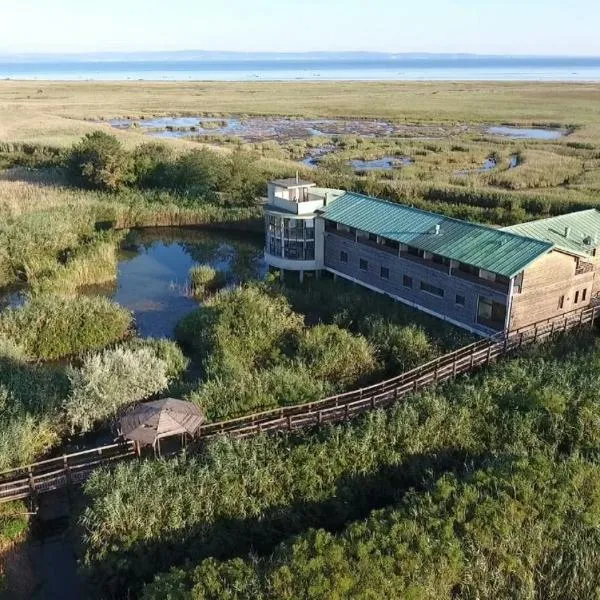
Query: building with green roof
point(577, 232)
point(484, 279)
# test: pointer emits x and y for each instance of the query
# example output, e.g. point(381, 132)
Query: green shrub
point(205, 279)
point(50, 327)
point(166, 350)
point(399, 347)
point(335, 355)
point(111, 380)
point(151, 164)
point(240, 329)
point(254, 391)
point(199, 172)
point(99, 161)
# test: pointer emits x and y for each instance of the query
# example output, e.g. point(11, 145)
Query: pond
point(152, 276)
point(255, 129)
point(385, 163)
point(531, 133)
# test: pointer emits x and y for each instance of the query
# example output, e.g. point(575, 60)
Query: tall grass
point(50, 327)
point(251, 494)
point(524, 529)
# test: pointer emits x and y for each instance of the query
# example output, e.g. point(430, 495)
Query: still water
point(152, 276)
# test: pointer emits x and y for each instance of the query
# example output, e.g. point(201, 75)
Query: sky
point(533, 27)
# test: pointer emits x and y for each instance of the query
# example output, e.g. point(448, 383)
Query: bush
point(152, 164)
point(335, 355)
point(244, 182)
point(240, 329)
point(111, 380)
point(99, 161)
point(199, 172)
point(51, 327)
point(400, 348)
point(205, 279)
point(166, 350)
point(225, 398)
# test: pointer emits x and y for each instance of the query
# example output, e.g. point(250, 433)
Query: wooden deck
point(71, 469)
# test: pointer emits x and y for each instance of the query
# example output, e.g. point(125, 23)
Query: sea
point(388, 68)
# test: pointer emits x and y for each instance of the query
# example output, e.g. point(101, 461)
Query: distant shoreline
point(417, 69)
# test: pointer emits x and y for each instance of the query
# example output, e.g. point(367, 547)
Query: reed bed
point(249, 495)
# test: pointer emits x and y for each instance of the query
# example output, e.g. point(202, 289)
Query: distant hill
point(219, 56)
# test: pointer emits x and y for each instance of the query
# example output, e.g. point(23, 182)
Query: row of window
point(293, 250)
point(407, 281)
point(578, 298)
point(405, 251)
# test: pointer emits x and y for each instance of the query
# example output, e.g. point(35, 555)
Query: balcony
point(377, 246)
point(493, 285)
point(584, 267)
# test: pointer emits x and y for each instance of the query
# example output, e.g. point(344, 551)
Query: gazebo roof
point(151, 421)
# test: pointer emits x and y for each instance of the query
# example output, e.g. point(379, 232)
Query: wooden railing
point(75, 468)
point(55, 473)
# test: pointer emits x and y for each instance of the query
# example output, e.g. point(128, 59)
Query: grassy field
point(51, 112)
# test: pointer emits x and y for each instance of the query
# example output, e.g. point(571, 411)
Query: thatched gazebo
point(146, 424)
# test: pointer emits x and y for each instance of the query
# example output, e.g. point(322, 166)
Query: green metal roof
point(583, 235)
point(492, 249)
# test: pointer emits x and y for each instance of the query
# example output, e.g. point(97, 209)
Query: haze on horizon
point(534, 27)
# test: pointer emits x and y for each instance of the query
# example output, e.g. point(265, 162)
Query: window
point(460, 300)
point(407, 281)
point(561, 302)
point(465, 268)
point(432, 289)
point(414, 251)
point(440, 260)
point(491, 313)
point(391, 244)
point(576, 297)
point(343, 257)
point(363, 265)
point(372, 237)
point(384, 273)
point(583, 294)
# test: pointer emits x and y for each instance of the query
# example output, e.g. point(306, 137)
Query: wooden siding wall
point(544, 282)
point(398, 268)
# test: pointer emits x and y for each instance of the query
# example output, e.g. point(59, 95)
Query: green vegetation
point(99, 161)
point(51, 327)
point(110, 381)
point(205, 279)
point(14, 523)
point(482, 488)
point(257, 353)
point(518, 529)
point(251, 494)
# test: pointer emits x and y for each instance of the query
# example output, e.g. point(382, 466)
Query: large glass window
point(491, 313)
point(432, 289)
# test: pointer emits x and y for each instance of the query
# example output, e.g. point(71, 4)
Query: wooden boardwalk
point(48, 475)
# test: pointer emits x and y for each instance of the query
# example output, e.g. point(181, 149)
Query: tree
point(244, 182)
point(99, 161)
point(199, 172)
point(151, 164)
